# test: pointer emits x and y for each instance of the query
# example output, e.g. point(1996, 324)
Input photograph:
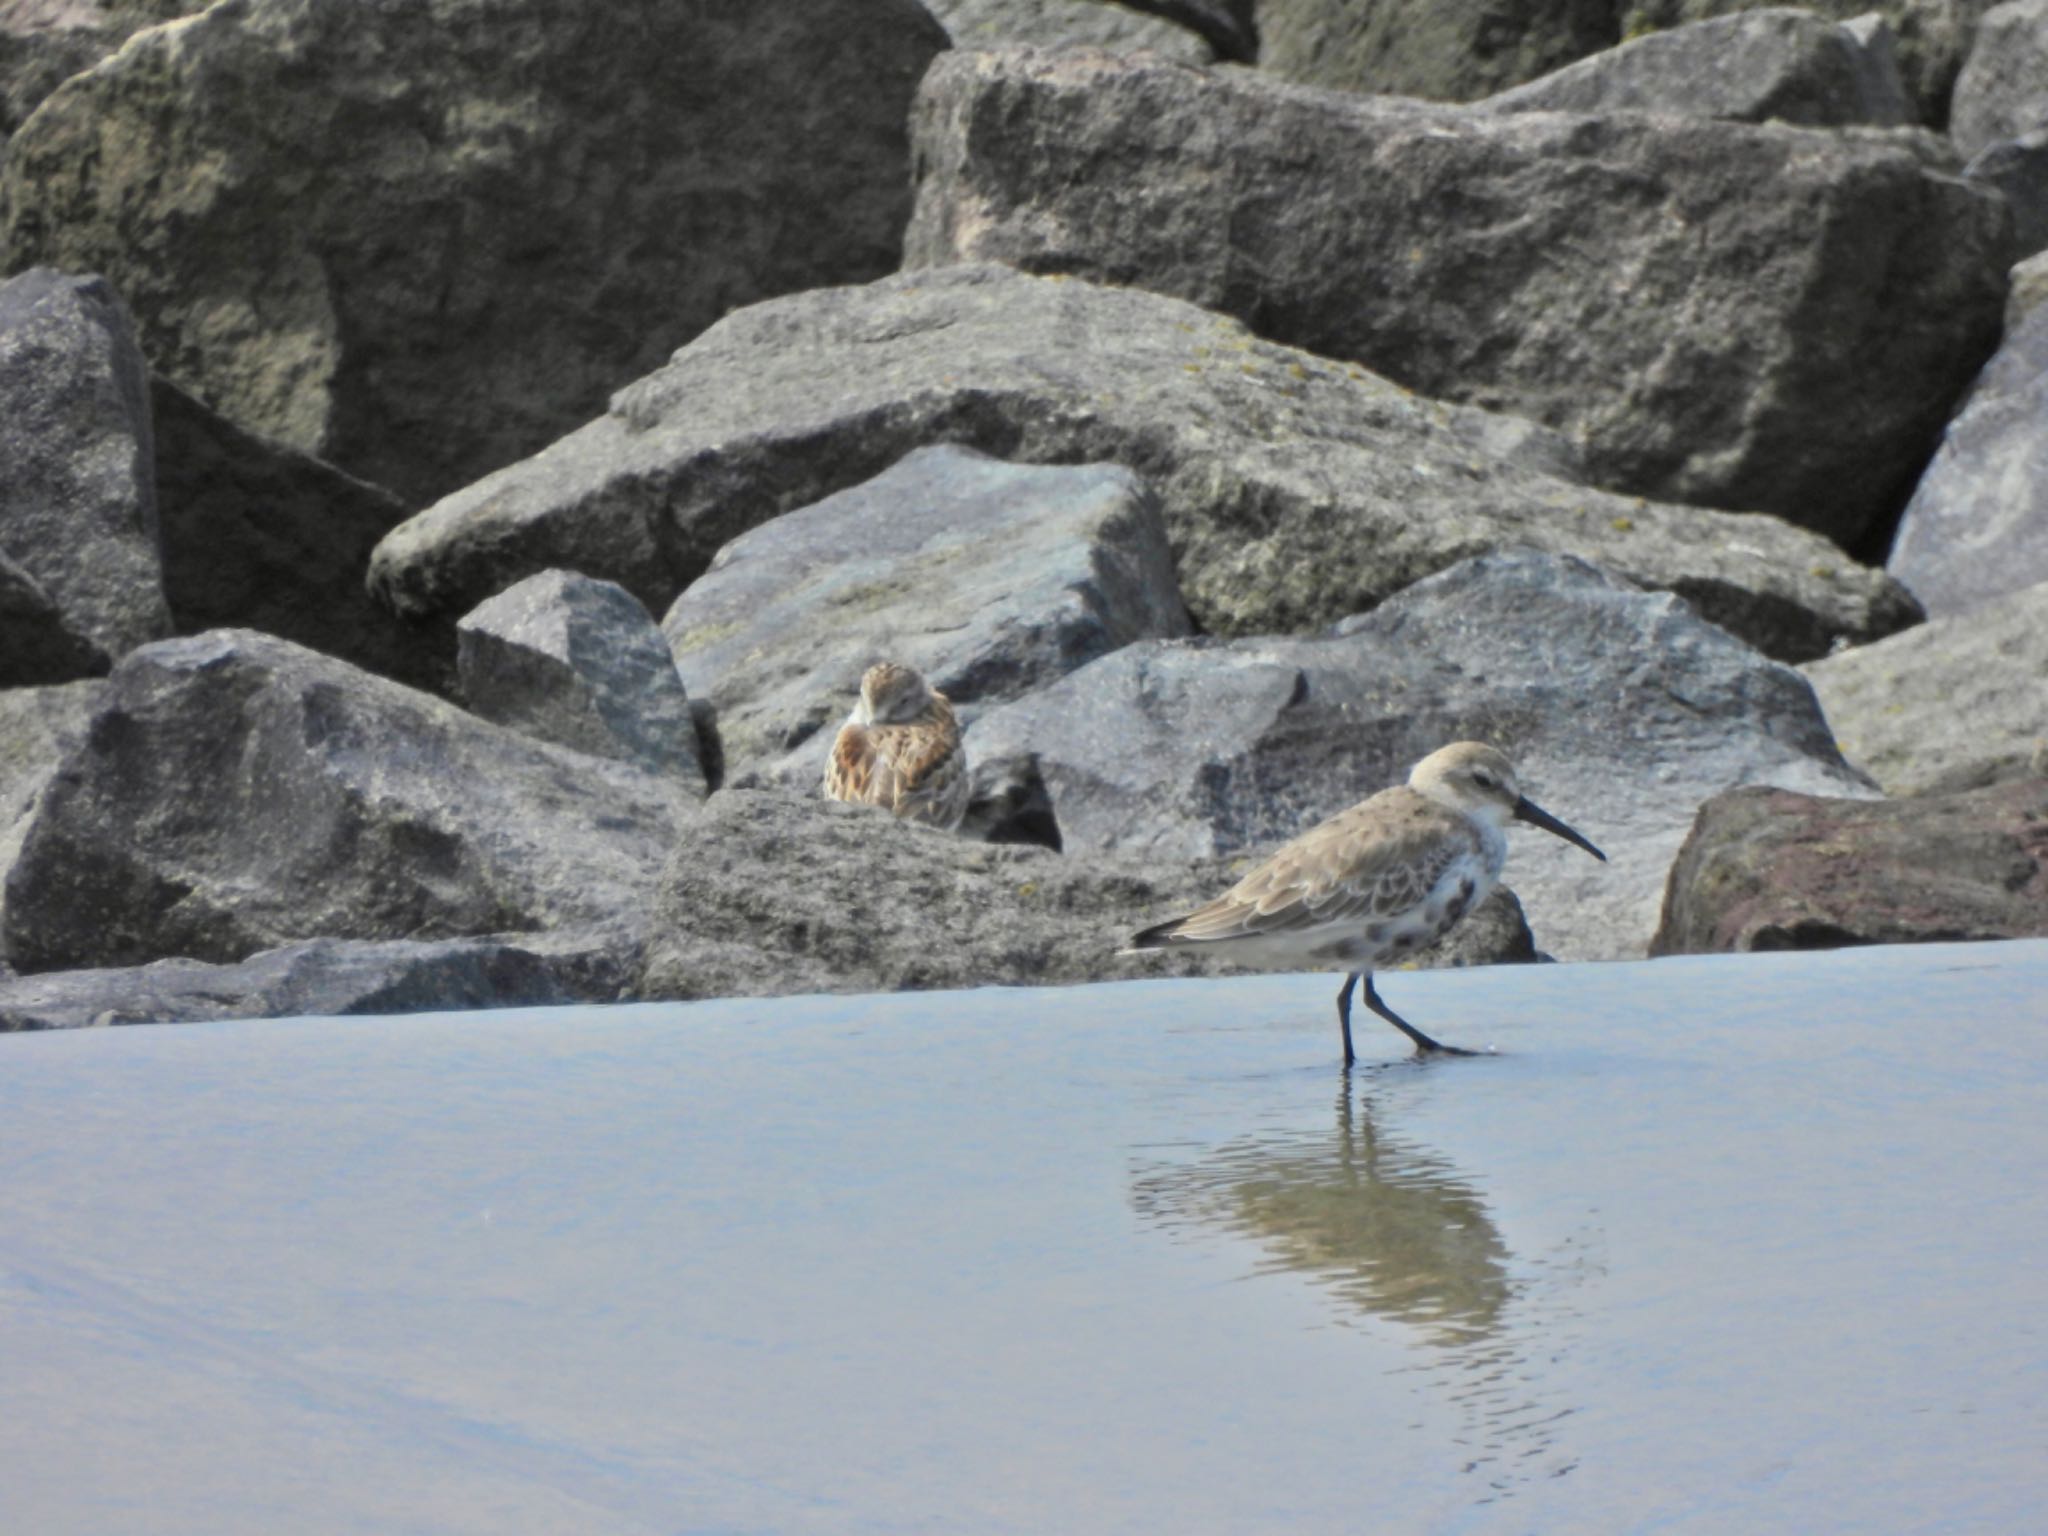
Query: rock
point(257, 535)
point(1932, 36)
point(77, 503)
point(328, 978)
point(43, 43)
point(236, 792)
point(1295, 490)
point(580, 663)
point(1448, 50)
point(1960, 696)
point(2018, 169)
point(1622, 710)
point(1767, 869)
point(2002, 92)
point(1067, 23)
point(1754, 66)
point(1757, 317)
point(773, 892)
point(419, 238)
point(38, 644)
point(2029, 291)
point(1977, 526)
point(39, 728)
point(989, 578)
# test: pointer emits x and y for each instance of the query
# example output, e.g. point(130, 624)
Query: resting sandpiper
point(900, 749)
point(1387, 878)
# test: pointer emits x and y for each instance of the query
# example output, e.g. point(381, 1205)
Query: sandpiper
point(1384, 879)
point(900, 749)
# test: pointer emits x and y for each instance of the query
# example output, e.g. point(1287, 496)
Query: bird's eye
point(1485, 780)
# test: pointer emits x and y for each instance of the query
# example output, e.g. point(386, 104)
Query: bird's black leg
point(1344, 1012)
point(1423, 1043)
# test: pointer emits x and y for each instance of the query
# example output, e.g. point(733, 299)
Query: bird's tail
point(1158, 936)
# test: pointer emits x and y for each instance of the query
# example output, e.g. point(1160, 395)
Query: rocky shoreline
point(456, 466)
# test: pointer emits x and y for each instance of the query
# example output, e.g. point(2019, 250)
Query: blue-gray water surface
point(1739, 1244)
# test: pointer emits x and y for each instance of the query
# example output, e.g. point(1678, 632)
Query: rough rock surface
point(38, 644)
point(1295, 490)
point(772, 892)
point(1621, 709)
point(77, 497)
point(1447, 50)
point(419, 238)
point(989, 578)
point(2003, 89)
point(260, 536)
point(39, 728)
point(2029, 291)
point(580, 663)
point(236, 792)
point(43, 43)
point(1977, 526)
point(1754, 66)
point(1067, 23)
point(1957, 698)
point(1759, 317)
point(325, 978)
point(2018, 169)
point(1766, 869)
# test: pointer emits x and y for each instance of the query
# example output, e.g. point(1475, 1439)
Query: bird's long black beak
point(1529, 811)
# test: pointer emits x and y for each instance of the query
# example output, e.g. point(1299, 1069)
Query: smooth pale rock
point(775, 892)
point(419, 238)
point(327, 978)
point(1621, 709)
point(39, 728)
point(1755, 66)
point(77, 496)
point(38, 644)
point(1295, 490)
point(1977, 526)
point(1963, 697)
point(236, 792)
point(580, 663)
point(2018, 169)
point(1768, 869)
point(2003, 89)
point(1447, 50)
point(257, 535)
point(990, 578)
point(1067, 23)
point(1757, 317)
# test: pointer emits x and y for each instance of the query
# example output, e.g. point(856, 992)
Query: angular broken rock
point(236, 792)
point(39, 728)
point(1757, 317)
point(419, 238)
point(774, 892)
point(1768, 869)
point(1295, 490)
point(77, 488)
point(38, 644)
point(580, 663)
point(2018, 170)
point(1446, 50)
point(990, 578)
point(1754, 66)
point(1622, 710)
point(2003, 89)
point(1067, 24)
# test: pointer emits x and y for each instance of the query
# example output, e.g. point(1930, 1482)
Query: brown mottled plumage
point(900, 749)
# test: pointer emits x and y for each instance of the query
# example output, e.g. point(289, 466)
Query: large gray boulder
point(419, 238)
point(77, 497)
point(1757, 317)
point(1068, 24)
point(38, 642)
point(39, 728)
point(1295, 490)
point(1622, 709)
point(236, 792)
point(325, 978)
point(1754, 66)
point(2003, 89)
point(257, 535)
point(1447, 50)
point(1977, 526)
point(1956, 699)
point(1767, 869)
point(990, 578)
point(2018, 170)
point(43, 43)
point(774, 892)
point(580, 663)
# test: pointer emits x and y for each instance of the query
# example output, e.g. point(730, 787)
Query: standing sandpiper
point(900, 749)
point(1386, 878)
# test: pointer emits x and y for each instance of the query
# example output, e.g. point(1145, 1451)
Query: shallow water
point(1745, 1244)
